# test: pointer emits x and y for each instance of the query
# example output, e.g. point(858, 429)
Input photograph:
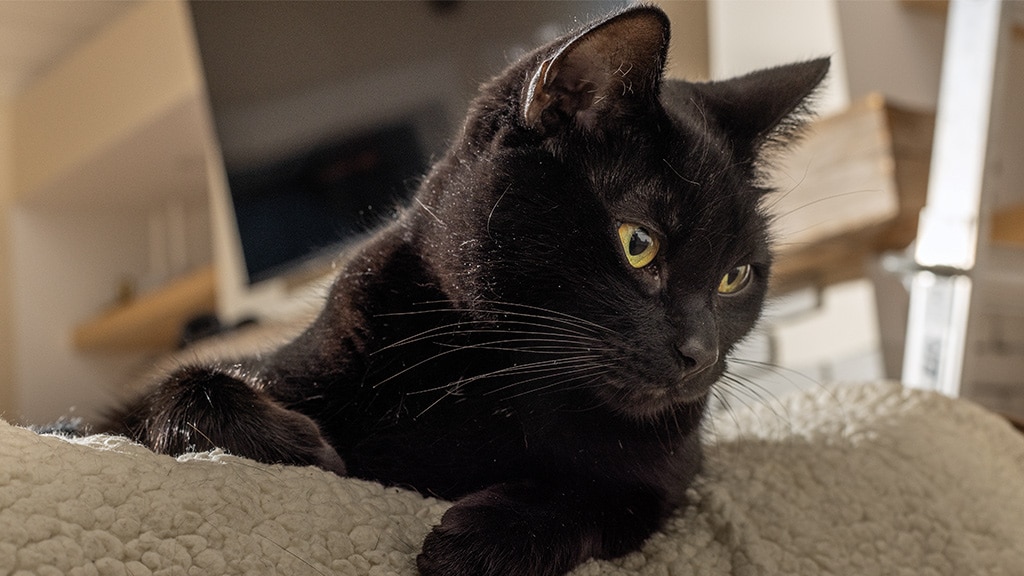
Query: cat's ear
point(764, 105)
point(602, 71)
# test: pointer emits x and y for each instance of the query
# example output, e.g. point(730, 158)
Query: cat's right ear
point(600, 73)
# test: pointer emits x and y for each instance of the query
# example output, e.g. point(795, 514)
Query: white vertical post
point(947, 241)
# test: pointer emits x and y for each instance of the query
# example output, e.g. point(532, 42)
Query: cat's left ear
point(605, 70)
point(764, 105)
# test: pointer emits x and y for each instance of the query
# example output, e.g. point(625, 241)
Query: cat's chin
point(642, 399)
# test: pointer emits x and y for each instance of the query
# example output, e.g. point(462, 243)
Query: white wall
point(65, 267)
point(888, 46)
point(894, 47)
point(746, 35)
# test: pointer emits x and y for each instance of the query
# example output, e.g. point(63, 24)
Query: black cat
point(536, 336)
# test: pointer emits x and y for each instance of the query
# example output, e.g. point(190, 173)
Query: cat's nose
point(696, 354)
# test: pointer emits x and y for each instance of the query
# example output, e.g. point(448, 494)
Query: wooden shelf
point(151, 322)
point(855, 186)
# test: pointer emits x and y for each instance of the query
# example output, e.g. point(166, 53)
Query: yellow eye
point(736, 280)
point(638, 244)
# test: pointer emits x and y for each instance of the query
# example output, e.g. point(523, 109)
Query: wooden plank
point(852, 188)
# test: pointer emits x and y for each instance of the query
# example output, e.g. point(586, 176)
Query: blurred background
point(173, 168)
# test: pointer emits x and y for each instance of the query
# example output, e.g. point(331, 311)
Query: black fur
point(493, 346)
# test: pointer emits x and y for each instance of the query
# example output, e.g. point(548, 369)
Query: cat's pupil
point(639, 242)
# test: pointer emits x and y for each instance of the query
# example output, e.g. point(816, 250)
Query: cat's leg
point(527, 530)
point(201, 408)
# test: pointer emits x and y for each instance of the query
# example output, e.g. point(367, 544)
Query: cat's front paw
point(489, 534)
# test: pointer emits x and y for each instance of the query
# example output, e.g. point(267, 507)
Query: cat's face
point(611, 219)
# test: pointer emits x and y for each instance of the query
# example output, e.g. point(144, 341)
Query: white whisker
point(453, 329)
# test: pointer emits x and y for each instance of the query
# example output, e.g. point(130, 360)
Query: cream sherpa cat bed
point(872, 479)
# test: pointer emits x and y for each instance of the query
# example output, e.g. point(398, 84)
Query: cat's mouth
point(643, 395)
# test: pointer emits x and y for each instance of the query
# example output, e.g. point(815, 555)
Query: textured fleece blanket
point(873, 479)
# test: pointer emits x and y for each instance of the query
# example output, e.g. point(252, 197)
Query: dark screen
point(298, 208)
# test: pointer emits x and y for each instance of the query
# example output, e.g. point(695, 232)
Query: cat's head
point(613, 217)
